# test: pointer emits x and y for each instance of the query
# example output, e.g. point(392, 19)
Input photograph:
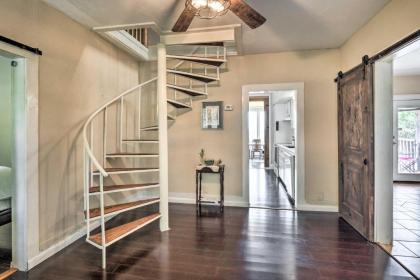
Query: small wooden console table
point(200, 170)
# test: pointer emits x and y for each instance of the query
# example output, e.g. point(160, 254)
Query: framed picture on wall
point(212, 115)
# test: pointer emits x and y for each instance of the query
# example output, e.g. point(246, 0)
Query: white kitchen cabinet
point(285, 168)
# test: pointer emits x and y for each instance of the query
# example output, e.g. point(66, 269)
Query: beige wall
point(397, 20)
point(407, 84)
point(316, 69)
point(79, 71)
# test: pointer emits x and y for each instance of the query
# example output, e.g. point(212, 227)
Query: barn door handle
point(365, 161)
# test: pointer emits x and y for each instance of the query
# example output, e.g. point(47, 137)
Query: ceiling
point(408, 65)
point(291, 24)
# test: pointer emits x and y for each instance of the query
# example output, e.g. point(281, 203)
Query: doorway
point(265, 187)
point(406, 130)
point(7, 75)
point(273, 144)
point(397, 134)
point(259, 127)
point(23, 62)
point(406, 162)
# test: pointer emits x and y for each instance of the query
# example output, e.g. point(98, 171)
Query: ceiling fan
point(208, 9)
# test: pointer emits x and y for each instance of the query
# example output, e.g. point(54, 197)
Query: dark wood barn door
point(355, 139)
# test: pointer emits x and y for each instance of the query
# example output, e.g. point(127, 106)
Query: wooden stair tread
point(178, 104)
point(96, 212)
point(140, 140)
point(188, 91)
point(126, 169)
point(171, 117)
point(119, 187)
point(154, 127)
point(132, 154)
point(210, 44)
point(203, 60)
point(115, 232)
point(198, 77)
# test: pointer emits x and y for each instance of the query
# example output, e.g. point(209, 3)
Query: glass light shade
point(198, 4)
point(208, 9)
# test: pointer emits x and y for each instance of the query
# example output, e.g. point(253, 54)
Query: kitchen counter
point(286, 148)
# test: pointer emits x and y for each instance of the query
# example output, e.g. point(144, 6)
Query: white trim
point(383, 146)
point(317, 208)
point(128, 43)
point(25, 220)
point(189, 198)
point(162, 109)
point(211, 28)
point(237, 201)
point(300, 135)
point(405, 97)
point(52, 250)
point(383, 151)
point(229, 34)
point(152, 25)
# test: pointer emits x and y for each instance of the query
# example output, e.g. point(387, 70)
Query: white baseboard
point(189, 198)
point(317, 208)
point(54, 249)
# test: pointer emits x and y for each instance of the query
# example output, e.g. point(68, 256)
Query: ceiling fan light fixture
point(208, 9)
point(198, 4)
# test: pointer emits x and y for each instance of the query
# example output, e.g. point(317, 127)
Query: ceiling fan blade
point(184, 20)
point(247, 14)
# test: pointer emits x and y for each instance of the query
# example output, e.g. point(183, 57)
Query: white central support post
point(163, 137)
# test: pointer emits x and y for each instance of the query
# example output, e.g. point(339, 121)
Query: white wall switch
point(228, 107)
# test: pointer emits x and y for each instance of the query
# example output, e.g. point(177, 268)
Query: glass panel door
point(407, 140)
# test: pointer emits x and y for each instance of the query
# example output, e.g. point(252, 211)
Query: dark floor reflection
point(241, 244)
point(264, 188)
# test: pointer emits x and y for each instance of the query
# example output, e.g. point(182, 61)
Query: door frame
point(300, 140)
point(396, 100)
point(383, 95)
point(267, 129)
point(25, 217)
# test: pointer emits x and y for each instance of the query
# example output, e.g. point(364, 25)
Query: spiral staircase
point(123, 144)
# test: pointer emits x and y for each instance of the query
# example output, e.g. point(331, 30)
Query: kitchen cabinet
point(285, 169)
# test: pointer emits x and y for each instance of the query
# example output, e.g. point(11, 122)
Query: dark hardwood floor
point(265, 190)
point(5, 259)
point(241, 244)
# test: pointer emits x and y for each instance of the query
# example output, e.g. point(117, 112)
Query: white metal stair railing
point(95, 170)
point(207, 62)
